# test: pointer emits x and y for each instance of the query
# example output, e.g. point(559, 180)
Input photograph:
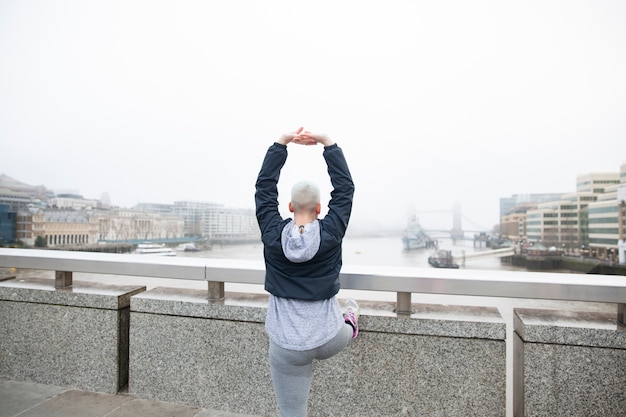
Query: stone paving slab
point(26, 399)
point(75, 403)
point(15, 396)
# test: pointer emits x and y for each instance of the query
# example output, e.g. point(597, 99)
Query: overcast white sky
point(432, 101)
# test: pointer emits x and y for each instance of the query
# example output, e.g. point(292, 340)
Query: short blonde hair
point(305, 196)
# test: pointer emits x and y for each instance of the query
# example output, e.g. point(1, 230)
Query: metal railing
point(403, 281)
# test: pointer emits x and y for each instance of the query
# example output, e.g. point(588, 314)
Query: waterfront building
point(591, 220)
point(511, 204)
point(69, 227)
point(513, 210)
point(63, 227)
point(133, 226)
point(24, 227)
point(559, 223)
point(513, 224)
point(596, 182)
point(15, 200)
point(155, 208)
point(196, 216)
point(604, 229)
point(217, 222)
point(607, 219)
point(231, 224)
point(7, 225)
point(72, 201)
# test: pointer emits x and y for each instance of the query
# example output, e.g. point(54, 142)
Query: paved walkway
point(26, 399)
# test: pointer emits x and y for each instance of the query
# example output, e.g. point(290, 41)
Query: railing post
point(216, 290)
point(63, 279)
point(403, 303)
point(621, 314)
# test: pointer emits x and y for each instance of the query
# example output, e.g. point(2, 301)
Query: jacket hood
point(300, 243)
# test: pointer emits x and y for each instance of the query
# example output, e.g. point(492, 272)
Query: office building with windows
point(591, 220)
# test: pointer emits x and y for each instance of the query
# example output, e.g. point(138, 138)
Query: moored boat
point(154, 249)
point(187, 247)
point(442, 259)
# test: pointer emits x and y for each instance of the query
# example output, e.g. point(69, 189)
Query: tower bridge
point(457, 231)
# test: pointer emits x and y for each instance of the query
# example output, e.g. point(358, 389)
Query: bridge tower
point(457, 226)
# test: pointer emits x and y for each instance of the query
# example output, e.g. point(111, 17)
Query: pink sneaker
point(351, 316)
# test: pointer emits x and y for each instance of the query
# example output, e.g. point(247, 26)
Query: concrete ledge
point(435, 320)
point(570, 363)
point(81, 294)
point(442, 360)
point(194, 303)
point(75, 337)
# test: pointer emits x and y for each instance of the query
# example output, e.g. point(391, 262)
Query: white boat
point(187, 247)
point(154, 249)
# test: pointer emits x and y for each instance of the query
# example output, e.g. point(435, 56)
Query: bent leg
point(336, 344)
point(291, 376)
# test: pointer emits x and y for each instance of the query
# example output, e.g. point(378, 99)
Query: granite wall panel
point(440, 361)
point(76, 337)
point(572, 364)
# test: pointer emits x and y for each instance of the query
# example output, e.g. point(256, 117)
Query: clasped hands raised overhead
point(304, 137)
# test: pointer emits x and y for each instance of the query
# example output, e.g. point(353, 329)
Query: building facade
point(67, 219)
point(59, 227)
point(69, 201)
point(607, 219)
point(131, 226)
point(513, 224)
point(7, 225)
point(558, 223)
point(216, 222)
point(596, 183)
point(14, 200)
point(68, 227)
point(590, 221)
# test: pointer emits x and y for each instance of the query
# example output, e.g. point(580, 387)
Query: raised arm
point(266, 195)
point(340, 205)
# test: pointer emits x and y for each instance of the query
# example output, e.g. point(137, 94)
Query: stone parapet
point(569, 363)
point(76, 336)
point(440, 360)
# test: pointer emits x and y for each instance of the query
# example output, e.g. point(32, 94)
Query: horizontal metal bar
point(235, 270)
point(487, 283)
point(480, 283)
point(105, 263)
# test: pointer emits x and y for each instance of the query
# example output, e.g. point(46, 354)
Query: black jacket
point(317, 278)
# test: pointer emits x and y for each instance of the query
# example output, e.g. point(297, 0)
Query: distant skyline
point(436, 219)
point(432, 102)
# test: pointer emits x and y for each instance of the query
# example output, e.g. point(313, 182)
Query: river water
point(375, 251)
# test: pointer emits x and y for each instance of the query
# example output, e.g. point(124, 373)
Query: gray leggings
point(292, 371)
